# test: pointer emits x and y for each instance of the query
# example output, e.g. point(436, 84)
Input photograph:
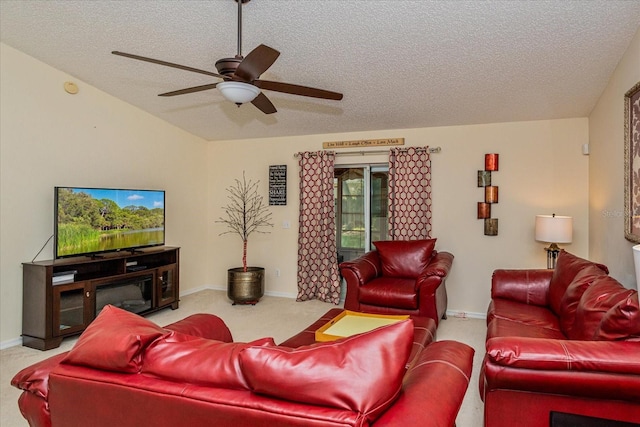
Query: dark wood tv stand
point(61, 297)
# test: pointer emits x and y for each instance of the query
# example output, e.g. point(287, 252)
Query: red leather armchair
point(399, 277)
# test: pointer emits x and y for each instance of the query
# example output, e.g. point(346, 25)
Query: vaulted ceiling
point(399, 63)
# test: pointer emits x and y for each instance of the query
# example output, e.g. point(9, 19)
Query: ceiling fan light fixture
point(238, 92)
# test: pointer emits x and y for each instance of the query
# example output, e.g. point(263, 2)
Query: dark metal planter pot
point(245, 287)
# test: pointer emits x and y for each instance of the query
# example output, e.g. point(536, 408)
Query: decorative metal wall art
point(490, 194)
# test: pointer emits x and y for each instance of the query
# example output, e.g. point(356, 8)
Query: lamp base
point(552, 255)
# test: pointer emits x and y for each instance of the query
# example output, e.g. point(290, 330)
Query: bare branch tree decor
point(245, 213)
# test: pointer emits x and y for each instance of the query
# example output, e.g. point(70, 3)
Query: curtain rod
point(432, 150)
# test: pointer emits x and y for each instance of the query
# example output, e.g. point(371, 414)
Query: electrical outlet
point(277, 272)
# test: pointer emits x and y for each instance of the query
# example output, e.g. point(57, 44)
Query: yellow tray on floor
point(350, 323)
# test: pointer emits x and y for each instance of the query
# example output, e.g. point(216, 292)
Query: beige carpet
point(279, 318)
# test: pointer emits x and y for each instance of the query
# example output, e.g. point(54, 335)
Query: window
point(361, 208)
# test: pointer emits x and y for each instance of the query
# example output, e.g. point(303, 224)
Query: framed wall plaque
point(277, 185)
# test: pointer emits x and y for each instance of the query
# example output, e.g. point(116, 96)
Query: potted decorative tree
point(245, 214)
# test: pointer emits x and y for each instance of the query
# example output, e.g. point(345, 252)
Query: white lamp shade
point(238, 92)
point(554, 228)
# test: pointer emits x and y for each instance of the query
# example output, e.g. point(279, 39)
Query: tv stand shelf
point(61, 297)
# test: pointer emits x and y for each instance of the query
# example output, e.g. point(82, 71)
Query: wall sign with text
point(363, 143)
point(277, 185)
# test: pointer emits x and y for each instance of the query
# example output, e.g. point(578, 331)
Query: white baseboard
point(224, 289)
point(10, 343)
point(466, 314)
point(198, 289)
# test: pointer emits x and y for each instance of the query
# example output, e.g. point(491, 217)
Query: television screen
point(94, 220)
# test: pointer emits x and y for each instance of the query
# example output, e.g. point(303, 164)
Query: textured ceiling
point(399, 63)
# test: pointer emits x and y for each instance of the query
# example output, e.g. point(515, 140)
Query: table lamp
point(553, 229)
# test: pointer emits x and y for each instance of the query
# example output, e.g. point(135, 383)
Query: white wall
point(607, 243)
point(49, 138)
point(542, 171)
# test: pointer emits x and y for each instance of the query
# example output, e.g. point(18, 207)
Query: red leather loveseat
point(126, 371)
point(561, 343)
point(399, 277)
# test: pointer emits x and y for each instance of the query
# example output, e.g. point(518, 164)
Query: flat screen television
point(90, 221)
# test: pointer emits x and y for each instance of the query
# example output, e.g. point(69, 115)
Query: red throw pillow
point(567, 267)
point(573, 294)
point(404, 258)
point(196, 360)
point(114, 341)
point(362, 373)
point(604, 293)
point(203, 325)
point(622, 321)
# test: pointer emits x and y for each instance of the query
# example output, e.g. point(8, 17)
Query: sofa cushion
point(509, 328)
point(622, 321)
point(390, 292)
point(114, 341)
point(205, 362)
point(604, 293)
point(404, 258)
point(501, 308)
point(362, 373)
point(573, 294)
point(567, 267)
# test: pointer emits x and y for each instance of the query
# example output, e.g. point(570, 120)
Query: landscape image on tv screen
point(93, 220)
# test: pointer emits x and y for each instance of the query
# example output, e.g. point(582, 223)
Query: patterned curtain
point(318, 276)
point(409, 193)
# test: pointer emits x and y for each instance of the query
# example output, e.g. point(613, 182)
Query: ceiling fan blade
point(167, 64)
point(297, 90)
point(190, 90)
point(256, 63)
point(262, 102)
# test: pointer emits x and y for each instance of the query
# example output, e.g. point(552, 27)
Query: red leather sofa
point(563, 341)
point(399, 277)
point(126, 371)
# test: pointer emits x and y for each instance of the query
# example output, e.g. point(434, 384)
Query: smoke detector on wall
point(71, 88)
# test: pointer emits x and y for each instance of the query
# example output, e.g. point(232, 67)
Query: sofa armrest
point(34, 409)
point(596, 369)
point(434, 273)
point(362, 270)
point(440, 265)
point(34, 380)
point(433, 387)
point(526, 286)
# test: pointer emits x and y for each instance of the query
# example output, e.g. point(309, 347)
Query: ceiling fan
point(240, 76)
